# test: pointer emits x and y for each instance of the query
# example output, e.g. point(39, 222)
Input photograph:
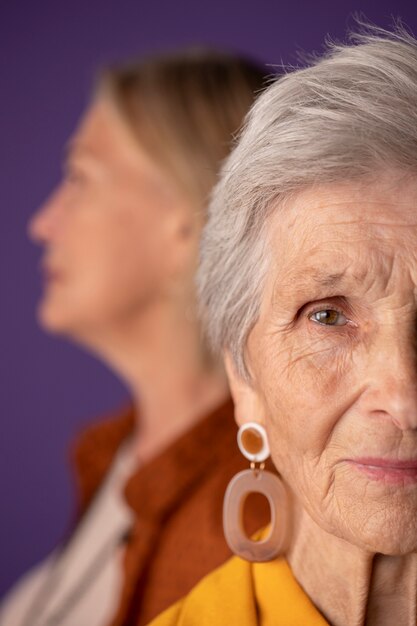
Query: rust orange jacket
point(177, 536)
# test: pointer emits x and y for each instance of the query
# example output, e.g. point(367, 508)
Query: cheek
point(116, 246)
point(120, 273)
point(307, 384)
point(111, 261)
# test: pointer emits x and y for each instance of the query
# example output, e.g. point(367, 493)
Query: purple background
point(48, 53)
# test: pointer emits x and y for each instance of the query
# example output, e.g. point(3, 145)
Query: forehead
point(341, 231)
point(105, 140)
point(378, 215)
point(102, 134)
point(98, 131)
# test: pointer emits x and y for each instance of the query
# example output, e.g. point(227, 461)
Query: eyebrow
point(311, 279)
point(328, 280)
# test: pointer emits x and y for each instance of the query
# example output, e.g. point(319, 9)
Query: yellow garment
point(245, 594)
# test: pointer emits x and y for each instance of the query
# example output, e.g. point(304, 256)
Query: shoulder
point(223, 598)
point(106, 431)
point(245, 594)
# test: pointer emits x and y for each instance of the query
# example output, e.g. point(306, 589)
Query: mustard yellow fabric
point(245, 594)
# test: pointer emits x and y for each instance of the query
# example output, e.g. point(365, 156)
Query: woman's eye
point(328, 317)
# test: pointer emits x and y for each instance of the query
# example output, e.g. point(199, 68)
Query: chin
point(391, 545)
point(77, 324)
point(394, 539)
point(390, 530)
point(54, 319)
point(375, 516)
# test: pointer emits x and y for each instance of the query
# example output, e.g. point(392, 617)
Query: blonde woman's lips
point(393, 472)
point(49, 273)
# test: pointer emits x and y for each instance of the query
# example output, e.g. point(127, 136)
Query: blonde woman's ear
point(248, 405)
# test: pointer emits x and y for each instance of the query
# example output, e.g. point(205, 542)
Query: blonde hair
point(185, 110)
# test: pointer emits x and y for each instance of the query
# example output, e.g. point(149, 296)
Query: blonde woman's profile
point(120, 236)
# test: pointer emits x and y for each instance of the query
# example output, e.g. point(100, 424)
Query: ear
point(248, 405)
point(184, 233)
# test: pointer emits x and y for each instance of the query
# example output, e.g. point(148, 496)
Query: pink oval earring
point(253, 443)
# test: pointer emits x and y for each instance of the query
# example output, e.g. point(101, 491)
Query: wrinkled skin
point(333, 364)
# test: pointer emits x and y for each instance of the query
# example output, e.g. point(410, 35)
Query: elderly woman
point(309, 284)
point(120, 237)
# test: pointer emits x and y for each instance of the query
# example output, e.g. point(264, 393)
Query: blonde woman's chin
point(54, 316)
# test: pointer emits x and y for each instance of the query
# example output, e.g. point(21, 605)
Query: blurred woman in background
point(120, 237)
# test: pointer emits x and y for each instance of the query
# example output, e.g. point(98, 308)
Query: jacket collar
point(155, 488)
point(93, 451)
point(163, 481)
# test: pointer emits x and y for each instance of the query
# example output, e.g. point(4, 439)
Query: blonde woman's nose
point(42, 224)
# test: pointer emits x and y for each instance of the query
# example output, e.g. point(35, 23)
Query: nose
point(401, 404)
point(392, 387)
point(42, 224)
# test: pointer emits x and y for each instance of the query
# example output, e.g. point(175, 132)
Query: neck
point(173, 382)
point(351, 586)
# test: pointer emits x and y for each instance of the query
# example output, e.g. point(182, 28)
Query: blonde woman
point(120, 237)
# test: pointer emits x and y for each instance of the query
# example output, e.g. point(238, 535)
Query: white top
point(81, 585)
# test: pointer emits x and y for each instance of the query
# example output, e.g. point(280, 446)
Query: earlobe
point(185, 230)
point(184, 236)
point(248, 406)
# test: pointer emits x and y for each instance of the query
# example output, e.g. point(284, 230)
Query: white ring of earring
point(253, 442)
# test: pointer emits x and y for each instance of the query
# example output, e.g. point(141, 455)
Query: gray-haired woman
point(308, 280)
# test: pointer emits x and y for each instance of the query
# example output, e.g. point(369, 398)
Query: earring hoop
point(253, 443)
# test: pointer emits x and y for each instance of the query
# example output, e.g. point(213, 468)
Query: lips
point(49, 272)
point(387, 470)
point(52, 275)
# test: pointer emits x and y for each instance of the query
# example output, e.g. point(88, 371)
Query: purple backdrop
point(48, 53)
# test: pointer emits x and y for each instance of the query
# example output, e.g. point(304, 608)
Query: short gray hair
point(351, 113)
